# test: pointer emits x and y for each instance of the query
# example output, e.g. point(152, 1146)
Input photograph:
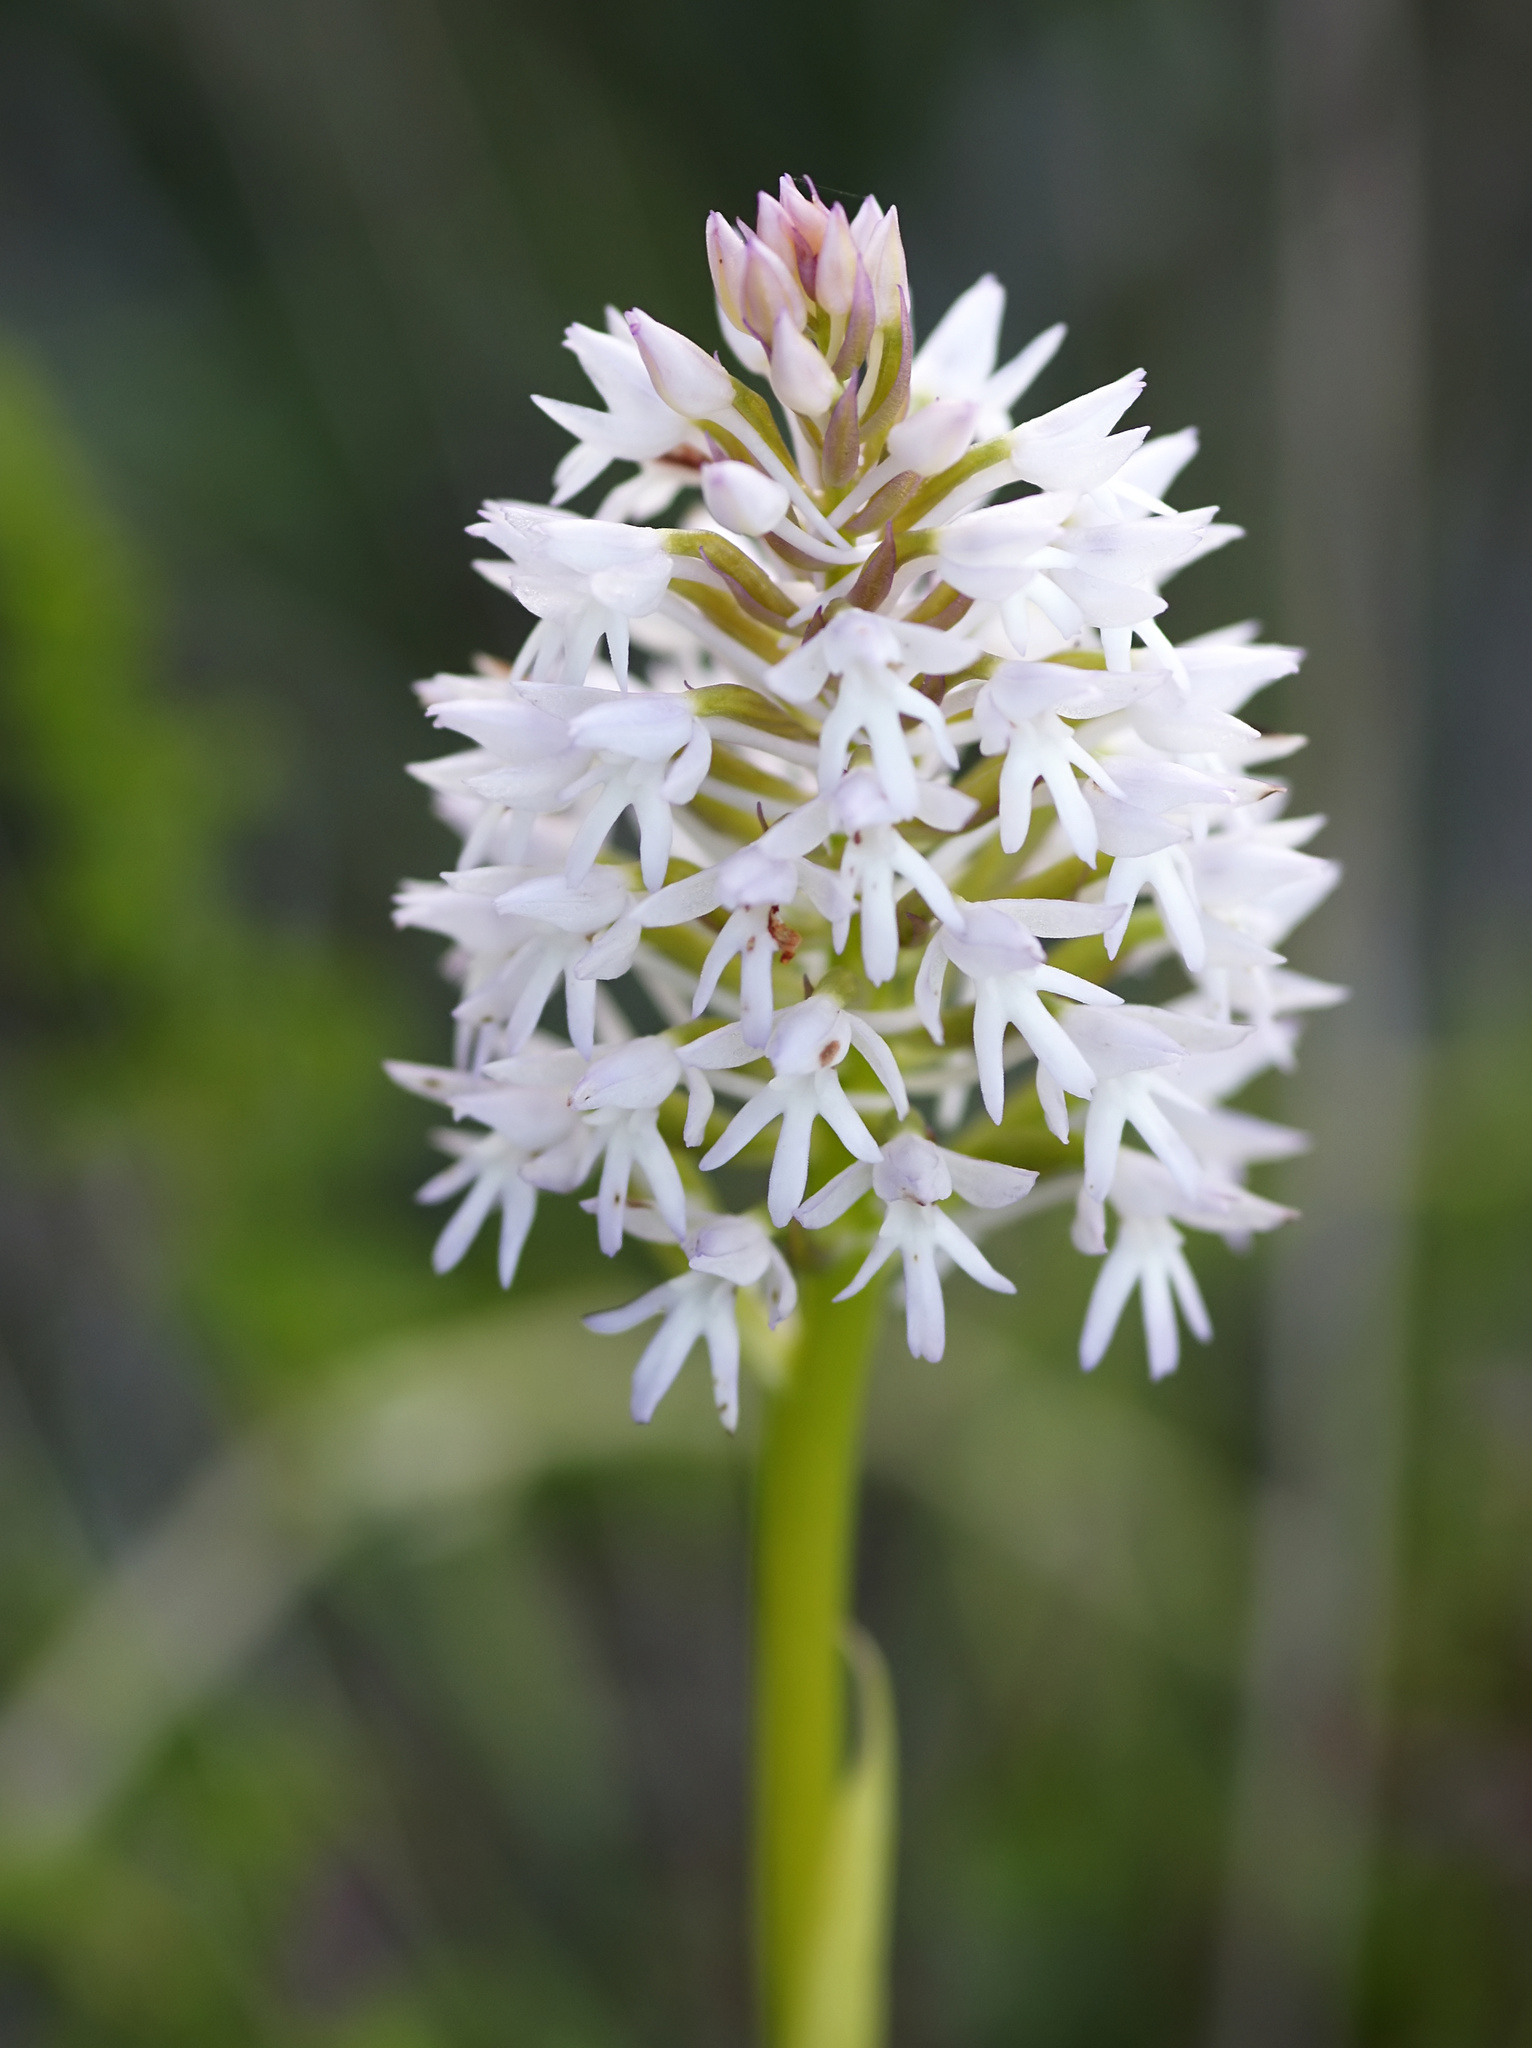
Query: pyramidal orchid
point(815, 846)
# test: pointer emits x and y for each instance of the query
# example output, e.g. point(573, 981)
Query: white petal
point(611, 1322)
point(723, 1354)
point(466, 1223)
point(959, 353)
point(986, 1183)
point(1109, 1297)
point(836, 1196)
point(964, 1253)
point(638, 1075)
point(663, 1358)
point(882, 1251)
point(925, 1312)
point(875, 1051)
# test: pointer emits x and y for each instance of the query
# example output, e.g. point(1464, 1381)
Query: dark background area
point(1216, 1698)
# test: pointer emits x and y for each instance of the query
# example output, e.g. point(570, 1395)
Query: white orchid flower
point(1148, 1256)
point(875, 661)
point(725, 1253)
point(585, 579)
point(806, 1048)
point(912, 1176)
point(1010, 973)
point(637, 426)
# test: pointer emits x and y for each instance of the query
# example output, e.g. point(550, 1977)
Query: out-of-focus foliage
point(453, 1751)
point(1450, 1952)
point(230, 1066)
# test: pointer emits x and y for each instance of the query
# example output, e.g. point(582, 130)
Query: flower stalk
point(806, 1507)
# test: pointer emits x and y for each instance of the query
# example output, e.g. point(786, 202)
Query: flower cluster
point(889, 770)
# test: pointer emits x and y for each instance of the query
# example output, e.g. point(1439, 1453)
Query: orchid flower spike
point(862, 785)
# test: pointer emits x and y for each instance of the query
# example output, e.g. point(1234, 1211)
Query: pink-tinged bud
point(884, 257)
point(932, 439)
point(690, 381)
point(741, 498)
point(773, 224)
point(869, 218)
point(835, 279)
point(800, 376)
point(770, 289)
point(781, 234)
point(726, 260)
point(808, 216)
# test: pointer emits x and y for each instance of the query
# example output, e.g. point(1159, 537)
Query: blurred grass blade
point(421, 1430)
point(845, 1978)
point(176, 1618)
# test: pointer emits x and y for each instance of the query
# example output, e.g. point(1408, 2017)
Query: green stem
point(806, 1510)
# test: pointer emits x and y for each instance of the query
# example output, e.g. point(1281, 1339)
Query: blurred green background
point(365, 1681)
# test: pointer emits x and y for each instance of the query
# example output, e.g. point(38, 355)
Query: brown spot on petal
point(831, 1053)
point(787, 941)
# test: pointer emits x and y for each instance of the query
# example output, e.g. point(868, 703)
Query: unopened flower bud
point(884, 257)
point(800, 376)
point(835, 278)
point(932, 439)
point(770, 290)
point(808, 216)
point(869, 218)
point(774, 226)
point(690, 381)
point(741, 498)
point(726, 260)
